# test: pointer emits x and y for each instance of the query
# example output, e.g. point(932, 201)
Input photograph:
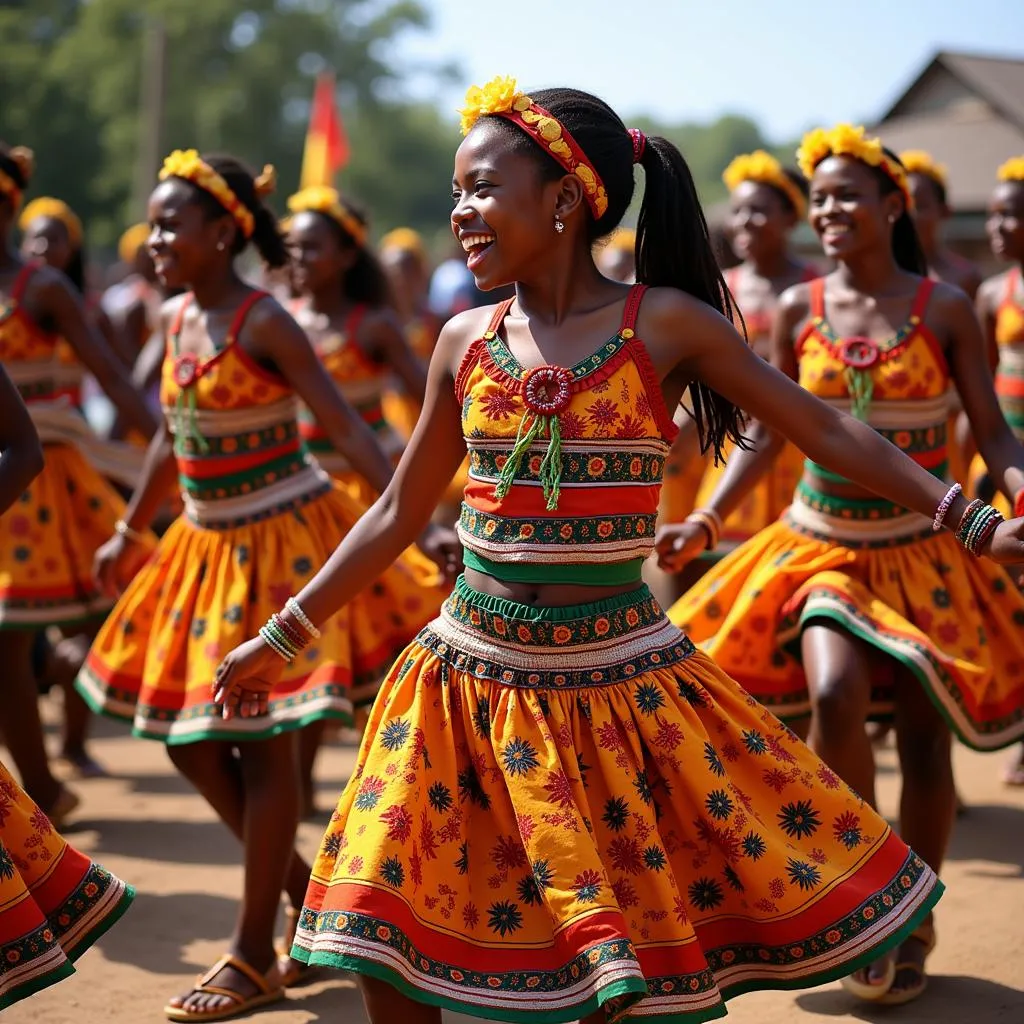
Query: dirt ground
point(146, 825)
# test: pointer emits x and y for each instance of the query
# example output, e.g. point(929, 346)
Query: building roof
point(968, 112)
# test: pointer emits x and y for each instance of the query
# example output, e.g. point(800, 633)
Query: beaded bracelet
point(710, 521)
point(972, 510)
point(302, 618)
point(297, 639)
point(128, 532)
point(978, 523)
point(268, 638)
point(944, 506)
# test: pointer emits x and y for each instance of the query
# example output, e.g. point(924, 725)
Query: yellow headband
point(404, 240)
point(764, 169)
point(325, 200)
point(845, 140)
point(501, 96)
point(131, 242)
point(54, 209)
point(917, 161)
point(24, 159)
point(187, 164)
point(1012, 170)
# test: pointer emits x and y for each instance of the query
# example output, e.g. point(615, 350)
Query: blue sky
point(789, 64)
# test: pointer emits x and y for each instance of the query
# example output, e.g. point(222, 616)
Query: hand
point(1006, 545)
point(115, 563)
point(442, 546)
point(677, 544)
point(245, 678)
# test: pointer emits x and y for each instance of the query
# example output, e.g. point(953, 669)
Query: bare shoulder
point(666, 311)
point(992, 290)
point(950, 299)
point(461, 331)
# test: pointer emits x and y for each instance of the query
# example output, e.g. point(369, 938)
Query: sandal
point(868, 991)
point(925, 934)
point(266, 992)
point(293, 973)
point(66, 803)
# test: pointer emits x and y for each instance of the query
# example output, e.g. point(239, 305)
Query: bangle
point(301, 617)
point(710, 521)
point(965, 520)
point(978, 524)
point(1018, 504)
point(269, 640)
point(944, 506)
point(986, 531)
point(297, 640)
point(282, 638)
point(124, 530)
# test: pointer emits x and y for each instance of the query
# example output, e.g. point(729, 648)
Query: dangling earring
point(559, 226)
point(220, 247)
point(892, 219)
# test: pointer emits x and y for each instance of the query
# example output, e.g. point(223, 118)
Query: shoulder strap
point(632, 310)
point(179, 317)
point(924, 292)
point(1012, 276)
point(500, 312)
point(817, 287)
point(241, 313)
point(21, 282)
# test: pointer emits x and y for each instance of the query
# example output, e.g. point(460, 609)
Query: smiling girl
point(561, 809)
point(854, 605)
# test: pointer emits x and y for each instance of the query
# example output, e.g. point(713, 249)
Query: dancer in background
point(1001, 310)
point(855, 605)
point(616, 257)
point(54, 902)
point(260, 515)
point(47, 541)
point(563, 810)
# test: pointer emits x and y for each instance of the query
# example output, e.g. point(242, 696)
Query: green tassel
point(187, 424)
point(861, 386)
point(194, 430)
point(551, 465)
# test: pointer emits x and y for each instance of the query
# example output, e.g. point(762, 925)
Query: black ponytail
point(673, 247)
point(266, 235)
point(906, 246)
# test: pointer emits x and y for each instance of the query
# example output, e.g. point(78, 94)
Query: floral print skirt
point(561, 809)
point(54, 902)
point(205, 591)
point(954, 622)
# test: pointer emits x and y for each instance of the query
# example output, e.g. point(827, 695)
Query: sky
point(789, 65)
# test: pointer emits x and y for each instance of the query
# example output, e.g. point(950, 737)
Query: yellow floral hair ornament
point(1012, 170)
point(266, 181)
point(622, 240)
point(404, 240)
point(326, 200)
point(189, 165)
point(763, 168)
point(501, 97)
point(55, 209)
point(129, 244)
point(846, 140)
point(917, 161)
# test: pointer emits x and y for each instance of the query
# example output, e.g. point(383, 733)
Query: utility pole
point(151, 110)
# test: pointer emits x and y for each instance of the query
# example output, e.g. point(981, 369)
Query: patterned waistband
point(1010, 386)
point(862, 523)
point(604, 642)
point(901, 414)
point(46, 380)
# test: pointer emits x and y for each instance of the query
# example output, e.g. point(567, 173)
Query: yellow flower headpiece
point(622, 240)
point(763, 168)
point(24, 159)
point(501, 96)
point(917, 161)
point(188, 164)
point(405, 240)
point(846, 140)
point(325, 200)
point(55, 209)
point(129, 244)
point(1012, 170)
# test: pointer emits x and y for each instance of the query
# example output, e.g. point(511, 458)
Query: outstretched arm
point(21, 455)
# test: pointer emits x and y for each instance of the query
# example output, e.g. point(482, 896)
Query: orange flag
point(326, 150)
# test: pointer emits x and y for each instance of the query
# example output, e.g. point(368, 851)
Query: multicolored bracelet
point(710, 521)
point(977, 524)
point(301, 617)
point(944, 506)
point(271, 639)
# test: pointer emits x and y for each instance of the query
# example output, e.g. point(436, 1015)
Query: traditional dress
point(362, 381)
point(47, 540)
point(871, 567)
point(556, 809)
point(401, 410)
point(260, 517)
point(54, 902)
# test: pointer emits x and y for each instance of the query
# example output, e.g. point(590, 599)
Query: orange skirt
point(556, 810)
point(205, 591)
point(953, 621)
point(47, 543)
point(54, 902)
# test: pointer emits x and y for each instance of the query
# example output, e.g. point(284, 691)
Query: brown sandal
point(925, 934)
point(267, 992)
point(293, 973)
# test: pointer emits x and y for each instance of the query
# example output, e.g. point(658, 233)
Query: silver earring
point(559, 226)
point(220, 247)
point(892, 219)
